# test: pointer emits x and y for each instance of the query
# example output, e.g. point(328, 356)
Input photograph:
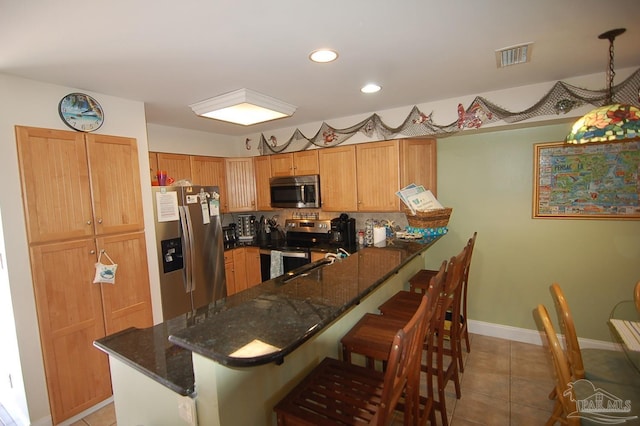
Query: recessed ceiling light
point(323, 55)
point(370, 88)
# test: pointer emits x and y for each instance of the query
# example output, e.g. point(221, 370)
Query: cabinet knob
point(100, 221)
point(88, 222)
point(92, 252)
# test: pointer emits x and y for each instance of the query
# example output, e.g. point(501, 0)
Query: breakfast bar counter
point(247, 350)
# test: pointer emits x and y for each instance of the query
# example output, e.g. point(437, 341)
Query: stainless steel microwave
point(301, 192)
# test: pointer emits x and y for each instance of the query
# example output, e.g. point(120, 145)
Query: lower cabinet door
point(127, 302)
point(70, 318)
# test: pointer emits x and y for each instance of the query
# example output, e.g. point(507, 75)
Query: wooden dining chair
point(598, 364)
point(569, 390)
point(338, 392)
point(372, 336)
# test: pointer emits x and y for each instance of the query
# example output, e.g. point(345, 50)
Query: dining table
point(624, 322)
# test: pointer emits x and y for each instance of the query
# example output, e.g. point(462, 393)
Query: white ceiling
point(170, 53)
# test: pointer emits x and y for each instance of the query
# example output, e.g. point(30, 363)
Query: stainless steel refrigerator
point(190, 248)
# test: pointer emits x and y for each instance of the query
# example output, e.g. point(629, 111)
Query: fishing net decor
point(561, 99)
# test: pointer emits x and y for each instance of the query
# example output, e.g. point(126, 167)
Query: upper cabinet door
point(262, 169)
point(210, 171)
point(338, 190)
point(282, 165)
point(418, 163)
point(306, 162)
point(55, 184)
point(177, 166)
point(115, 184)
point(295, 163)
point(241, 184)
point(378, 176)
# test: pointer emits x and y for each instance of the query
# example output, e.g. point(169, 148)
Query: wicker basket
point(429, 219)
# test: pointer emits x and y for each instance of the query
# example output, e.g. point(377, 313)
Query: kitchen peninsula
point(230, 362)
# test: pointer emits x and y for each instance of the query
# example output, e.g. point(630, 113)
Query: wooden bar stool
point(337, 392)
point(403, 303)
point(446, 340)
point(373, 334)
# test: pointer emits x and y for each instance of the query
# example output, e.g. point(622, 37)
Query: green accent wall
point(487, 178)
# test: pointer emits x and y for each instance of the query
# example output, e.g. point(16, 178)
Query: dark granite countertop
point(261, 324)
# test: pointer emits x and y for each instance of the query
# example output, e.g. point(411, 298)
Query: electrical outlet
point(187, 410)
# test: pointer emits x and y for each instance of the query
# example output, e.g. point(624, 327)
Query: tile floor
point(504, 383)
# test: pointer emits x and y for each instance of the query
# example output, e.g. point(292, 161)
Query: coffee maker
point(343, 232)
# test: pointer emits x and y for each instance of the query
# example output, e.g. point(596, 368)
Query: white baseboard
point(47, 421)
point(529, 336)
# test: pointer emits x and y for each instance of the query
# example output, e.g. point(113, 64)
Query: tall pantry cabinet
point(81, 195)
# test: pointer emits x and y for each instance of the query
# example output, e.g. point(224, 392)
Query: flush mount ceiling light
point(244, 107)
point(323, 55)
point(514, 55)
point(370, 88)
point(611, 122)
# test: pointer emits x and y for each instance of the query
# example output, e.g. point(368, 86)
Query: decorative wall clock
point(81, 112)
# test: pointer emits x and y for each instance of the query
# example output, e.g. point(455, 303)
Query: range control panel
point(315, 226)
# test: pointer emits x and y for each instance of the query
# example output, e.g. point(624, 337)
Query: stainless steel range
point(301, 236)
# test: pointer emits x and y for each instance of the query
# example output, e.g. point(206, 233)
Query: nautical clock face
point(81, 112)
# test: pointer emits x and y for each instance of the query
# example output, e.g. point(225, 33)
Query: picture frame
point(589, 181)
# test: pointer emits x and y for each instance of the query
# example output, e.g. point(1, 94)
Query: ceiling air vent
point(514, 55)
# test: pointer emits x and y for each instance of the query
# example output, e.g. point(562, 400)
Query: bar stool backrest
point(404, 359)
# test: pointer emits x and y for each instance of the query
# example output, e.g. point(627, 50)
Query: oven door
point(291, 260)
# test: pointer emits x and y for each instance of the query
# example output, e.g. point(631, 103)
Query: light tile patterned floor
point(504, 383)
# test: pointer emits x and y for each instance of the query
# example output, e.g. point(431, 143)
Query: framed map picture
point(590, 181)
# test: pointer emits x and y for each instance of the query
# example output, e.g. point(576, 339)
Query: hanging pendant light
point(611, 122)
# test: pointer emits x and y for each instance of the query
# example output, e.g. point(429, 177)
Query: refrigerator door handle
point(192, 258)
point(187, 249)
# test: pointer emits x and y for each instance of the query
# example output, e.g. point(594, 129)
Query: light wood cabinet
point(127, 303)
point(65, 239)
point(338, 185)
point(262, 169)
point(254, 273)
point(61, 201)
point(153, 167)
point(241, 184)
point(210, 171)
point(70, 318)
point(178, 166)
point(55, 182)
point(316, 255)
point(229, 272)
point(418, 163)
point(115, 184)
point(295, 163)
point(378, 176)
point(242, 268)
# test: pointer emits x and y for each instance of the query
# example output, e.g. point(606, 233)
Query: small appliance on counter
point(246, 227)
point(230, 236)
point(343, 232)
